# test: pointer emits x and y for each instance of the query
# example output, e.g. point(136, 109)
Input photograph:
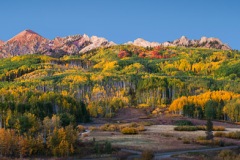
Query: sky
point(124, 20)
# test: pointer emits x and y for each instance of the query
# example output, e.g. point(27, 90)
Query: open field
point(158, 138)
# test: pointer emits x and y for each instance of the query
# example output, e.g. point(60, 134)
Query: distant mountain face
point(29, 42)
point(25, 42)
point(204, 42)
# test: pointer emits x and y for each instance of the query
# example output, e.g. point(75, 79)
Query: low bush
point(141, 128)
point(203, 128)
point(129, 130)
point(220, 134)
point(216, 142)
point(232, 135)
point(123, 127)
point(218, 128)
point(195, 128)
point(186, 128)
point(215, 128)
point(183, 123)
point(109, 127)
point(146, 123)
point(92, 128)
point(200, 138)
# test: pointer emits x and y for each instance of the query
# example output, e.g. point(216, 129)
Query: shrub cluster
point(183, 123)
point(215, 142)
point(129, 130)
point(215, 128)
point(186, 128)
point(132, 128)
point(109, 127)
point(232, 135)
point(196, 128)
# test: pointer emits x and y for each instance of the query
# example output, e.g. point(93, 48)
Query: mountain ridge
point(212, 43)
point(29, 42)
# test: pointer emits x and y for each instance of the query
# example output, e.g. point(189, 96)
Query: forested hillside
point(105, 80)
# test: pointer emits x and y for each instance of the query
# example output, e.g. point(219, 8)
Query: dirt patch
point(130, 115)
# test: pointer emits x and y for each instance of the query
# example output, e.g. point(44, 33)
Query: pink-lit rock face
point(26, 42)
point(29, 42)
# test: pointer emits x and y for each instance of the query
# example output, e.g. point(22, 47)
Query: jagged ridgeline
point(101, 81)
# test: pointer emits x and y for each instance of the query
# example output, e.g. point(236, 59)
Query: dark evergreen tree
point(209, 129)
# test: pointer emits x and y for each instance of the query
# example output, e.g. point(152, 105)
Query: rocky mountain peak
point(213, 43)
point(184, 38)
point(203, 39)
point(204, 42)
point(26, 35)
point(26, 42)
point(183, 41)
point(29, 42)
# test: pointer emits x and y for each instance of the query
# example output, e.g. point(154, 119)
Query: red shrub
point(142, 55)
point(123, 54)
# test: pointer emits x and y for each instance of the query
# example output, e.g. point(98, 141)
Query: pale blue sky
point(124, 20)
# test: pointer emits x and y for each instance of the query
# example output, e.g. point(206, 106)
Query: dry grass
point(232, 135)
point(156, 138)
